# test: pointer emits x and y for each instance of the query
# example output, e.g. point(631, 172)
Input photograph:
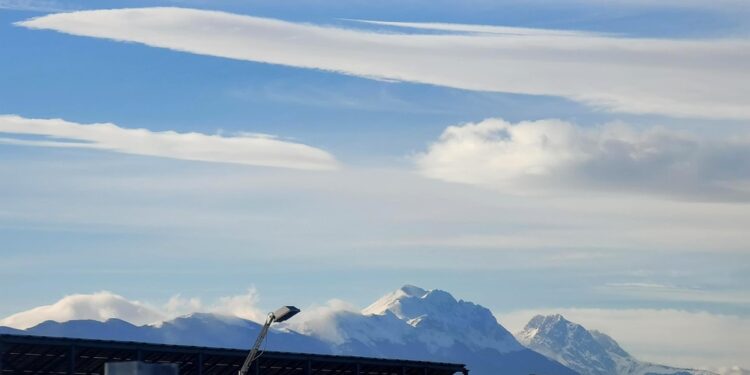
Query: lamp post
point(278, 316)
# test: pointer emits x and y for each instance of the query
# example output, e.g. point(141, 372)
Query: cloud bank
point(553, 154)
point(244, 149)
point(105, 305)
point(98, 306)
point(684, 78)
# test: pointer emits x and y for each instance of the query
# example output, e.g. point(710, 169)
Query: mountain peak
point(392, 301)
point(587, 352)
point(412, 303)
point(442, 321)
point(412, 291)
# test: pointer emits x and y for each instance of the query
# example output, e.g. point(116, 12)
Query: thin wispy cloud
point(248, 149)
point(661, 292)
point(481, 29)
point(683, 78)
point(35, 5)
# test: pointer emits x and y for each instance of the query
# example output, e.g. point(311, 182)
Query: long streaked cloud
point(34, 5)
point(687, 78)
point(548, 155)
point(260, 150)
point(662, 292)
point(482, 29)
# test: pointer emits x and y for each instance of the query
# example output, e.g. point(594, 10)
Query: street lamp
point(281, 314)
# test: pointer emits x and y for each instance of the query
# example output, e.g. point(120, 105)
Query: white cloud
point(690, 78)
point(260, 150)
point(98, 306)
point(243, 305)
point(105, 305)
point(672, 337)
point(732, 370)
point(548, 155)
point(34, 5)
point(487, 29)
point(320, 320)
point(660, 292)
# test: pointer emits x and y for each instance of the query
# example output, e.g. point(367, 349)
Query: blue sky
point(410, 193)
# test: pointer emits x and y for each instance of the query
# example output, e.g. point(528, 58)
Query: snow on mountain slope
point(199, 329)
point(410, 323)
point(440, 320)
point(588, 352)
point(414, 323)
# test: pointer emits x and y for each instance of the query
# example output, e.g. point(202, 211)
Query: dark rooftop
point(54, 355)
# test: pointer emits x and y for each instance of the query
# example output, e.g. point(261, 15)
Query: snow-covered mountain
point(410, 323)
point(415, 323)
point(199, 329)
point(587, 352)
point(439, 319)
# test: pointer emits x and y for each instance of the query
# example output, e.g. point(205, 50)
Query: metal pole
point(254, 351)
point(200, 364)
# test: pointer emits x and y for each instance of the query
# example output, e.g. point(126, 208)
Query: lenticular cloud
point(685, 78)
point(256, 150)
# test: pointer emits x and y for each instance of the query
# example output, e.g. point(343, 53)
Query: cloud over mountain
point(685, 78)
point(99, 306)
point(105, 305)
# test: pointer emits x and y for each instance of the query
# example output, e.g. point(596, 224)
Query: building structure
point(39, 355)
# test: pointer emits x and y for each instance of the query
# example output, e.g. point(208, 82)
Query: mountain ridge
point(588, 352)
point(410, 323)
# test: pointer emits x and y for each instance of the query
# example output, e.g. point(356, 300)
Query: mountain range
point(409, 323)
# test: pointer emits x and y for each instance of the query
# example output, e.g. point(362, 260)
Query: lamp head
point(284, 313)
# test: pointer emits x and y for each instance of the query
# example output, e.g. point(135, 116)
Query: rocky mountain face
point(587, 352)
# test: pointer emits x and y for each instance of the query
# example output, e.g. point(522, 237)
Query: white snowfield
point(439, 320)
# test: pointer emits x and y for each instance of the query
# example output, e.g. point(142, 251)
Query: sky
point(586, 157)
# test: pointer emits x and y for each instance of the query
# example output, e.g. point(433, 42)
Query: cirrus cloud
point(683, 78)
point(248, 149)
